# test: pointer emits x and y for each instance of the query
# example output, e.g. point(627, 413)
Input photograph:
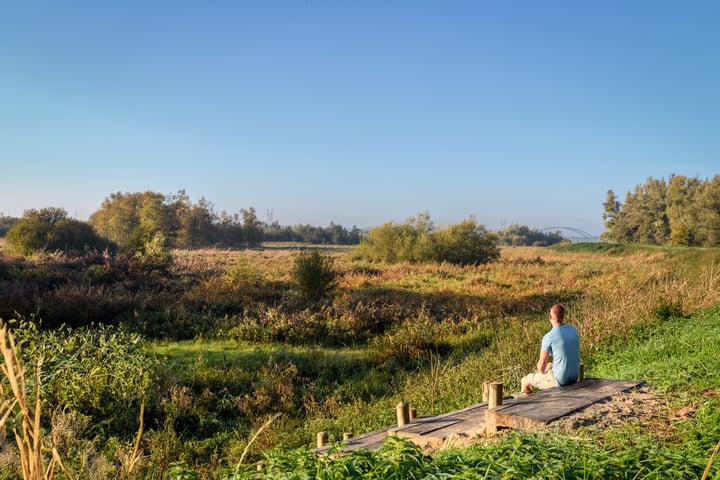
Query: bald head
point(557, 313)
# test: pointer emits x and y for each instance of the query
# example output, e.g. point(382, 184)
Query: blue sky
point(357, 112)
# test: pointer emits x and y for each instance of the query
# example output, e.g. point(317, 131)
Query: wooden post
point(413, 414)
point(581, 372)
point(486, 391)
point(495, 394)
point(403, 414)
point(322, 439)
point(347, 436)
point(490, 423)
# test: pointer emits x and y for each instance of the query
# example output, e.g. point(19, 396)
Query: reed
point(28, 437)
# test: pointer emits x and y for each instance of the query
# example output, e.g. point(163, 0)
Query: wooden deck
point(524, 413)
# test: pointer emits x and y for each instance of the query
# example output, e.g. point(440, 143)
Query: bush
point(417, 240)
point(465, 243)
point(314, 274)
point(50, 229)
point(101, 373)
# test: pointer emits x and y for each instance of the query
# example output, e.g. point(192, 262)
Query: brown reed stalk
point(133, 458)
point(29, 439)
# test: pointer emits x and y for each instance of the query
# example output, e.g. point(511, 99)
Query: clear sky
point(357, 112)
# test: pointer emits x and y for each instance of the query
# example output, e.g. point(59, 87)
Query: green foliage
point(6, 223)
point(679, 211)
point(429, 334)
point(102, 373)
point(465, 243)
point(51, 230)
point(131, 219)
point(517, 456)
point(181, 471)
point(155, 252)
point(136, 220)
point(668, 354)
point(520, 235)
point(418, 240)
point(333, 234)
point(314, 274)
point(252, 227)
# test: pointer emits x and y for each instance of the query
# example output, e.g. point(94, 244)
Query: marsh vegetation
point(209, 361)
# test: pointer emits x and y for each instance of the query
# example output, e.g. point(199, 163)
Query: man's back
point(563, 343)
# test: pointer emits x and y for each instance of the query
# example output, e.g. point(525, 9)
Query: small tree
point(252, 227)
point(465, 243)
point(50, 229)
point(314, 274)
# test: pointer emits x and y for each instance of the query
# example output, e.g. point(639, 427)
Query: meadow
point(215, 363)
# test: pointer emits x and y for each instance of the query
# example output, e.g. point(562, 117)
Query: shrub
point(314, 274)
point(465, 243)
point(102, 373)
point(418, 240)
point(50, 229)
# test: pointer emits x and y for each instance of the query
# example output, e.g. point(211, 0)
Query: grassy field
point(456, 327)
point(262, 368)
point(671, 359)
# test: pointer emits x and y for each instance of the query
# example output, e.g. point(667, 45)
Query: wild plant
point(28, 434)
point(314, 274)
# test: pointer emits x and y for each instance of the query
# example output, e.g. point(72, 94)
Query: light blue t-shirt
point(563, 343)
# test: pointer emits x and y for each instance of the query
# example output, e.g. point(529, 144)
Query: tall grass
point(28, 435)
point(428, 334)
point(667, 355)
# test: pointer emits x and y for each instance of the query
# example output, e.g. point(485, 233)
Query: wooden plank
point(370, 441)
point(547, 405)
point(523, 413)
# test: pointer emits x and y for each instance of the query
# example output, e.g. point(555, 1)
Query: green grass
point(680, 356)
point(679, 353)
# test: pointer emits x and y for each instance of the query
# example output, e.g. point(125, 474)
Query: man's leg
point(526, 385)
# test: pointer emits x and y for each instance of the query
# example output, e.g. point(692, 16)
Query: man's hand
point(543, 362)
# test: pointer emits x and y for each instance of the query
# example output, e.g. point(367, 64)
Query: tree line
point(140, 221)
point(678, 211)
point(150, 222)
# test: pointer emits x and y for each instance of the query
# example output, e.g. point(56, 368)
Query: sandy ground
point(642, 406)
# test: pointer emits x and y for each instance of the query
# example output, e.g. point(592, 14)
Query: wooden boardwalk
point(524, 413)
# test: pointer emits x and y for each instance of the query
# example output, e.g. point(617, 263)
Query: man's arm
point(542, 363)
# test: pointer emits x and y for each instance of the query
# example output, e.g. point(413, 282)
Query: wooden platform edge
point(496, 418)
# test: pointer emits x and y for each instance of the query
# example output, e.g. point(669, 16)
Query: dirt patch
point(642, 406)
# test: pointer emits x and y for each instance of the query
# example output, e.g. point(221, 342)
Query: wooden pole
point(486, 391)
point(413, 414)
point(322, 439)
point(403, 414)
point(347, 436)
point(581, 372)
point(495, 394)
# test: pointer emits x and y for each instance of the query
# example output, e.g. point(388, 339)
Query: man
point(563, 344)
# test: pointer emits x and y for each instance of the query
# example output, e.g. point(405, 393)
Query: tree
point(418, 240)
point(611, 211)
point(50, 229)
point(231, 231)
point(681, 211)
point(314, 274)
point(252, 227)
point(132, 219)
point(6, 223)
point(521, 235)
point(465, 243)
point(709, 212)
point(197, 224)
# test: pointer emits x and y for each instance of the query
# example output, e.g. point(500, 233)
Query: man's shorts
point(543, 380)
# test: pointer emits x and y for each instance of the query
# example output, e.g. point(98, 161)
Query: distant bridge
point(579, 235)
